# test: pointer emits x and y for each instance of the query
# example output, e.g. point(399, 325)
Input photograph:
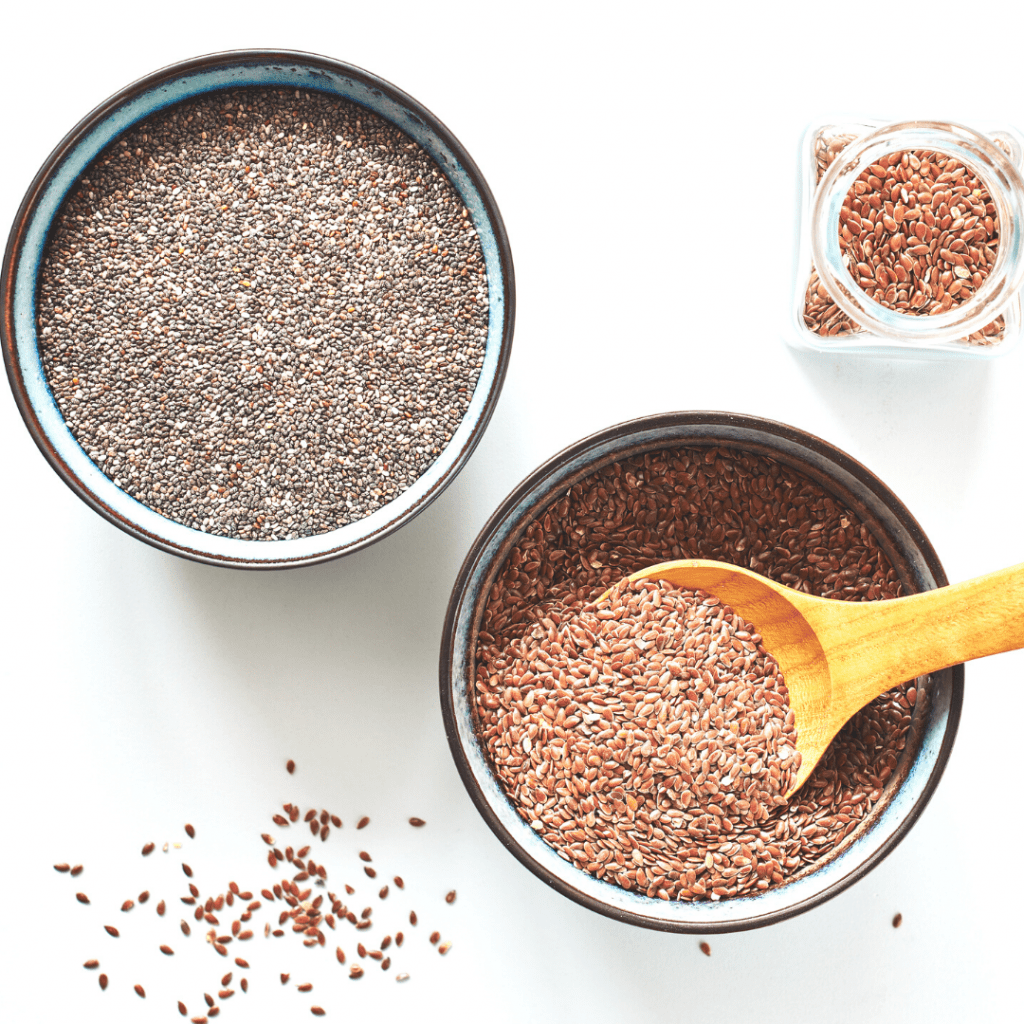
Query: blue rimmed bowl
point(928, 741)
point(26, 245)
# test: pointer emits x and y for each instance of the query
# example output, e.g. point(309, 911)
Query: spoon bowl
point(838, 656)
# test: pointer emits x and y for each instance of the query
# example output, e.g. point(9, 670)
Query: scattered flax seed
point(127, 905)
point(349, 889)
point(199, 1020)
point(401, 977)
point(376, 954)
point(310, 815)
point(103, 981)
point(417, 822)
point(705, 949)
point(148, 849)
point(385, 963)
point(167, 951)
point(111, 930)
point(268, 839)
point(307, 987)
point(244, 984)
point(76, 870)
point(245, 936)
point(182, 1008)
point(280, 819)
point(399, 881)
point(383, 894)
point(187, 870)
point(363, 855)
point(370, 872)
point(240, 962)
point(91, 964)
point(444, 947)
point(340, 954)
point(450, 898)
point(81, 897)
point(267, 895)
point(897, 921)
point(399, 938)
point(356, 972)
point(190, 832)
point(363, 822)
point(61, 867)
point(144, 896)
point(290, 766)
point(140, 991)
point(335, 821)
point(303, 852)
point(361, 950)
point(161, 907)
point(209, 999)
point(435, 938)
point(284, 979)
point(185, 928)
point(194, 889)
point(226, 980)
point(317, 1011)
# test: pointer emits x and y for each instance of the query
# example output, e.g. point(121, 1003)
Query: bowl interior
point(927, 744)
point(173, 85)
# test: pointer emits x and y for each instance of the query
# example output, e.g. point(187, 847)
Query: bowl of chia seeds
point(258, 308)
point(634, 752)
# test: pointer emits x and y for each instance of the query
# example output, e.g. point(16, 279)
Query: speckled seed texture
point(263, 313)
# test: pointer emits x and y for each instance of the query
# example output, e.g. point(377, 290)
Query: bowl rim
point(592, 444)
point(147, 84)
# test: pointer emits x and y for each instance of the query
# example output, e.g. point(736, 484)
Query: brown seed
point(199, 1020)
point(90, 964)
point(103, 981)
point(61, 867)
point(335, 821)
point(244, 984)
point(412, 917)
point(140, 991)
point(399, 938)
point(356, 971)
point(280, 819)
point(209, 999)
point(370, 872)
point(417, 822)
point(221, 948)
point(450, 898)
point(302, 852)
point(361, 950)
point(182, 1008)
point(363, 822)
point(268, 839)
point(385, 963)
point(291, 767)
point(383, 894)
point(167, 951)
point(444, 947)
point(314, 826)
point(194, 890)
point(190, 832)
point(434, 938)
point(161, 907)
point(271, 859)
point(81, 897)
point(76, 870)
point(897, 921)
point(705, 949)
point(111, 930)
point(185, 929)
point(226, 980)
point(310, 815)
point(363, 855)
point(144, 896)
point(245, 936)
point(317, 1011)
point(225, 993)
point(349, 889)
point(307, 987)
point(187, 870)
point(399, 881)
point(284, 979)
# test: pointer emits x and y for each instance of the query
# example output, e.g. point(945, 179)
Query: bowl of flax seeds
point(634, 752)
point(257, 308)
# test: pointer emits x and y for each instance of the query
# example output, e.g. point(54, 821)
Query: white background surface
point(645, 162)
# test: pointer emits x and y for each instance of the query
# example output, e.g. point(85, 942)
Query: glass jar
point(832, 309)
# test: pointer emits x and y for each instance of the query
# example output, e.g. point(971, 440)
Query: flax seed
point(705, 949)
point(103, 981)
point(190, 832)
point(356, 971)
point(144, 896)
point(91, 964)
point(897, 921)
point(111, 930)
point(160, 908)
point(444, 947)
point(450, 898)
point(167, 951)
point(307, 987)
point(140, 991)
point(187, 870)
point(182, 1008)
point(61, 867)
point(76, 870)
point(363, 822)
point(290, 766)
point(185, 929)
point(81, 897)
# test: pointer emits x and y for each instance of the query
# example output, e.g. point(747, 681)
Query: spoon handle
point(877, 644)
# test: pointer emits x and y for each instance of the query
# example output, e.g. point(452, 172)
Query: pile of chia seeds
point(263, 312)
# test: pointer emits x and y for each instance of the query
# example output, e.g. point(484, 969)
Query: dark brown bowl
point(928, 742)
point(26, 245)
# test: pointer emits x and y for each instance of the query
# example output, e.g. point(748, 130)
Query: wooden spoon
point(837, 656)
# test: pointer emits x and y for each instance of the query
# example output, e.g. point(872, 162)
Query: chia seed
point(263, 312)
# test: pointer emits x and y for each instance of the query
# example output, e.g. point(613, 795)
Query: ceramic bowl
point(928, 742)
point(22, 260)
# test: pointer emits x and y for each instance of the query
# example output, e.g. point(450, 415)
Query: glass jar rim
point(1005, 185)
